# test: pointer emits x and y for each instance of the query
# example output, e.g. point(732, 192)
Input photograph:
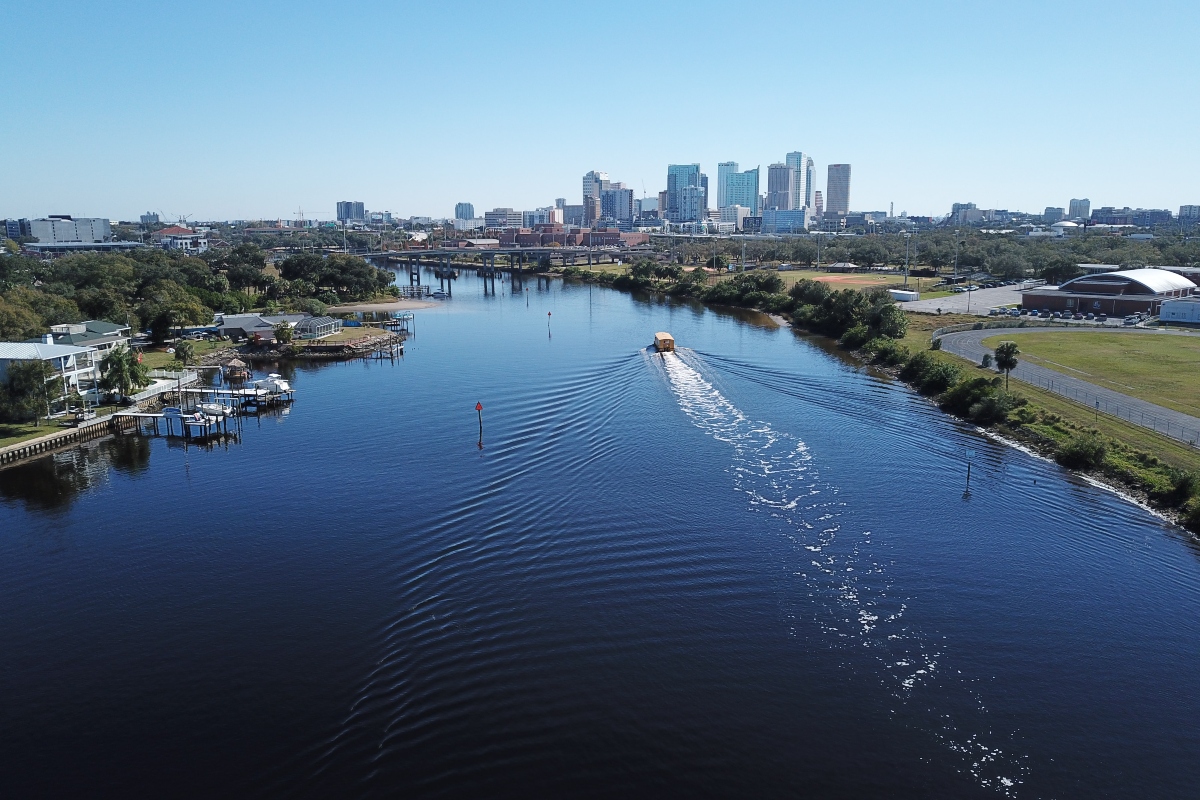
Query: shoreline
point(383, 305)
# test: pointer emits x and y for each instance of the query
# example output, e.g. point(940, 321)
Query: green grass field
point(1160, 369)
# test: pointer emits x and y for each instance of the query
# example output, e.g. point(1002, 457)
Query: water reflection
point(54, 482)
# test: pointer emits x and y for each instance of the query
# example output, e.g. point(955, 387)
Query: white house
point(75, 368)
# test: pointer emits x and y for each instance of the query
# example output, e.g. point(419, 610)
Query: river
point(746, 569)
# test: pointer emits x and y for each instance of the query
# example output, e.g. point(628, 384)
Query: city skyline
point(357, 122)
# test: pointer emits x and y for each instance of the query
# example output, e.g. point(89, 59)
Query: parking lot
point(976, 302)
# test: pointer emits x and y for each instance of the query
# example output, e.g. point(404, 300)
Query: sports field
point(1161, 369)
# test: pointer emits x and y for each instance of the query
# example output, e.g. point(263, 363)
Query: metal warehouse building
point(1184, 309)
point(1118, 293)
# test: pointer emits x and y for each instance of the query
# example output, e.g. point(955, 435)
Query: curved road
point(1182, 427)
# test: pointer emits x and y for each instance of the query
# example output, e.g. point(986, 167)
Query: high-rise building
point(1189, 212)
point(802, 189)
point(724, 170)
point(1052, 215)
point(593, 183)
point(837, 187)
point(1080, 209)
point(691, 203)
point(351, 211)
point(704, 186)
point(464, 211)
point(781, 186)
point(818, 203)
point(560, 202)
point(617, 203)
point(739, 189)
point(150, 220)
point(646, 207)
point(680, 177)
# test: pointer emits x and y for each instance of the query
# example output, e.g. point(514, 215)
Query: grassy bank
point(1158, 369)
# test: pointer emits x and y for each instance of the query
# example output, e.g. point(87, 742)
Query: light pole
point(907, 236)
point(956, 255)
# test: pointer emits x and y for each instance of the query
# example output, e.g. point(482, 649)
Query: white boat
point(215, 409)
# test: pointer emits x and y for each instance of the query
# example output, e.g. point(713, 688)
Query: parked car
point(1132, 320)
point(1077, 315)
point(1056, 315)
point(1102, 317)
point(1090, 315)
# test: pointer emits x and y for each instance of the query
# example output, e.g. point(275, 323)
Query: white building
point(65, 229)
point(74, 367)
point(1183, 309)
point(468, 224)
point(178, 237)
point(736, 215)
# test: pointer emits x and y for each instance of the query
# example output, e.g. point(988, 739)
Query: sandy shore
point(383, 305)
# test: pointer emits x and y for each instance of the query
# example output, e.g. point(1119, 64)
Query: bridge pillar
point(589, 255)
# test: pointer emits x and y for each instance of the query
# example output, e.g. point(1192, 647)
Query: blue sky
point(254, 110)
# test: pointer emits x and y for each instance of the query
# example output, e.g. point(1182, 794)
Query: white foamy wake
point(850, 597)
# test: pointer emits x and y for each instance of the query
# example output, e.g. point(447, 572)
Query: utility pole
point(907, 236)
point(956, 255)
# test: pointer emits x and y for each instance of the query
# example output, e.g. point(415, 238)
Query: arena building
point(1117, 293)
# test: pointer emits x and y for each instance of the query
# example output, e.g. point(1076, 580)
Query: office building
point(560, 202)
point(1080, 209)
point(739, 189)
point(680, 177)
point(735, 215)
point(837, 188)
point(724, 170)
point(15, 228)
point(781, 220)
point(646, 207)
point(1052, 215)
point(150, 220)
point(1191, 213)
point(593, 183)
point(781, 186)
point(502, 218)
point(351, 211)
point(464, 211)
point(802, 190)
point(617, 203)
point(63, 229)
point(818, 203)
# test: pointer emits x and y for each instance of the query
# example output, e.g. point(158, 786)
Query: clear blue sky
point(255, 109)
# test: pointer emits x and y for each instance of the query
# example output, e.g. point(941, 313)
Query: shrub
point(1086, 451)
point(986, 362)
point(887, 351)
point(936, 344)
point(915, 368)
point(939, 378)
point(856, 337)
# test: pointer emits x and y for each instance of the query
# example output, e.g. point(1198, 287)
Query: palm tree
point(122, 372)
point(185, 351)
point(1006, 359)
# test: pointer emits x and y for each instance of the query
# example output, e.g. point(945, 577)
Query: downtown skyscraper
point(837, 190)
point(802, 186)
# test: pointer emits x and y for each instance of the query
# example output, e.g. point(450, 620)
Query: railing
point(1135, 416)
point(167, 374)
point(186, 378)
point(997, 323)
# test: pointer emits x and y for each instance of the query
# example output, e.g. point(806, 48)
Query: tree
point(27, 391)
point(1006, 359)
point(283, 333)
point(121, 372)
point(185, 351)
point(18, 321)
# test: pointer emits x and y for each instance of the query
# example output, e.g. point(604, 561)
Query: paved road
point(1185, 428)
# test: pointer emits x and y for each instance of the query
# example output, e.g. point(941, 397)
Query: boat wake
point(850, 599)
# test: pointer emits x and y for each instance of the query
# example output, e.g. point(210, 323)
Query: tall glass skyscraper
point(680, 176)
point(464, 211)
point(837, 189)
point(802, 187)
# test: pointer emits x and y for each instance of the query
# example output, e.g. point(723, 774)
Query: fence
point(996, 323)
point(1102, 403)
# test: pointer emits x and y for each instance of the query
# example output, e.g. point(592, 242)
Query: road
point(1182, 427)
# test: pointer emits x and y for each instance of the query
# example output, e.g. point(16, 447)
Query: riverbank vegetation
point(158, 290)
point(1165, 473)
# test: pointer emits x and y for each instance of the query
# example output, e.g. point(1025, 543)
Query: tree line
point(158, 290)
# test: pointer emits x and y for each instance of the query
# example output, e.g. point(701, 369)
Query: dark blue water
point(744, 570)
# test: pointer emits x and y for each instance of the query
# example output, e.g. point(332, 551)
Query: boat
point(439, 295)
point(664, 342)
point(215, 409)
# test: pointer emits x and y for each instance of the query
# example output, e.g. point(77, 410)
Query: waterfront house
point(317, 327)
point(252, 326)
point(104, 336)
point(75, 368)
